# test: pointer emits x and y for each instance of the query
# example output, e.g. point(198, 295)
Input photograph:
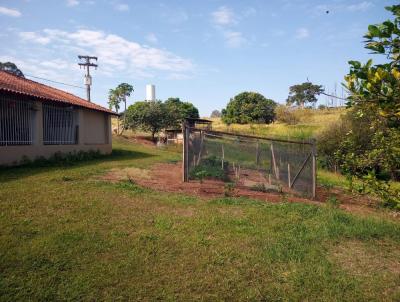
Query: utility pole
point(88, 79)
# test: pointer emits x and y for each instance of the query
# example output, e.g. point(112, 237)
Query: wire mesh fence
point(255, 162)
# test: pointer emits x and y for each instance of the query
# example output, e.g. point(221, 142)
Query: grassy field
point(65, 234)
point(310, 123)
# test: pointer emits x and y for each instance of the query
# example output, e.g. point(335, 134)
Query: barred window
point(59, 125)
point(16, 121)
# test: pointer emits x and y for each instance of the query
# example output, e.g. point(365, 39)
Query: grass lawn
point(67, 235)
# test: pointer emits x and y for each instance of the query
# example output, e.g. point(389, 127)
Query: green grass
point(66, 235)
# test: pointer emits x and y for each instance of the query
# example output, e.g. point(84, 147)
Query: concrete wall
point(94, 135)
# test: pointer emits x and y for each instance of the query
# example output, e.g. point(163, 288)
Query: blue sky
point(204, 51)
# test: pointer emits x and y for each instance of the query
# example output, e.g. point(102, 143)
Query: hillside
point(310, 123)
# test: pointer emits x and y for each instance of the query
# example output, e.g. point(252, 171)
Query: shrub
point(229, 189)
point(210, 168)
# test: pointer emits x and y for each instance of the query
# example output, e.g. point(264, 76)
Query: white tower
point(150, 92)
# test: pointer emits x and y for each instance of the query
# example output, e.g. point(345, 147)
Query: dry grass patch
point(124, 174)
point(375, 264)
point(361, 258)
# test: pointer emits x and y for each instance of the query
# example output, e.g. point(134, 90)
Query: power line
point(333, 96)
point(31, 76)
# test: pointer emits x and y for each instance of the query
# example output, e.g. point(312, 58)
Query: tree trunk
point(117, 123)
point(123, 128)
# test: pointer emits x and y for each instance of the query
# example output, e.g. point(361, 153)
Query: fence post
point(288, 175)
point(314, 168)
point(185, 159)
point(274, 162)
point(223, 156)
point(258, 152)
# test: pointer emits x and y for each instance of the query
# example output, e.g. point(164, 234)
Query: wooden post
point(223, 156)
point(201, 148)
point(288, 175)
point(185, 159)
point(274, 162)
point(257, 152)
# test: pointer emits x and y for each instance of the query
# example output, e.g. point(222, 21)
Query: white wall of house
point(94, 135)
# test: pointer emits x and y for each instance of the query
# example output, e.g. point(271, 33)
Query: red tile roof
point(12, 83)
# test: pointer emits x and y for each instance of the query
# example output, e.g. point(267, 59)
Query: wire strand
point(31, 76)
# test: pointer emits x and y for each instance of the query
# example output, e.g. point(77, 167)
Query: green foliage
point(303, 94)
point(114, 100)
point(156, 116)
point(378, 86)
point(147, 116)
point(118, 95)
point(359, 144)
point(249, 107)
point(178, 111)
point(210, 168)
point(333, 202)
point(11, 68)
point(368, 141)
point(59, 159)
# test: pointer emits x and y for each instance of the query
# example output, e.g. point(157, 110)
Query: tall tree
point(147, 116)
point(114, 101)
point(11, 68)
point(249, 107)
point(304, 93)
point(179, 110)
point(124, 90)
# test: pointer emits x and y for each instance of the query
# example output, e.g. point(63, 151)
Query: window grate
point(16, 121)
point(59, 125)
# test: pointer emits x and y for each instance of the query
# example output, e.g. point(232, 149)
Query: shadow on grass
point(67, 161)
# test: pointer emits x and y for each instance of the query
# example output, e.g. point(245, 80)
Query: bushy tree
point(249, 107)
point(378, 86)
point(215, 114)
point(178, 111)
point(11, 68)
point(303, 94)
point(375, 94)
point(148, 116)
point(369, 148)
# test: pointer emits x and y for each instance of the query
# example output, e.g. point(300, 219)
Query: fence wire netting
point(257, 163)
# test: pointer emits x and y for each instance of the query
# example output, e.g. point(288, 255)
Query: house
point(37, 120)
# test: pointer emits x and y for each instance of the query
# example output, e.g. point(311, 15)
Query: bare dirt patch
point(167, 177)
